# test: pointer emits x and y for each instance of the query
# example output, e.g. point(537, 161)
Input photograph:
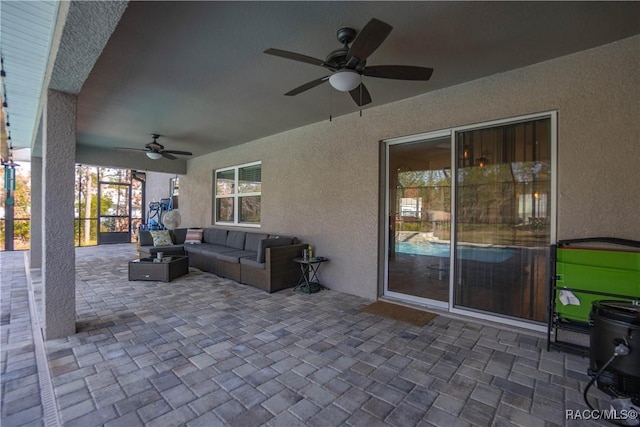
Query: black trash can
point(612, 322)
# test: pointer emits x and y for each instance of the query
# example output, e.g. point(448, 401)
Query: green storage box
point(592, 275)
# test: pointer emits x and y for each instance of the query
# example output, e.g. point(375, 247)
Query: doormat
point(399, 312)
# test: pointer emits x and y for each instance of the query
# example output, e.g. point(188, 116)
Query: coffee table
point(162, 270)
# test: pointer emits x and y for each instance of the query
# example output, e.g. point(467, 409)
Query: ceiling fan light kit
point(154, 156)
point(345, 80)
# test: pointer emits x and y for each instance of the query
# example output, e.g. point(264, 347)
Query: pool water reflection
point(442, 250)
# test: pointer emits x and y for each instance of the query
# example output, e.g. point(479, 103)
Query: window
point(238, 195)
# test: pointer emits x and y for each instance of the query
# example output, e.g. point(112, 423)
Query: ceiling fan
point(154, 150)
point(349, 63)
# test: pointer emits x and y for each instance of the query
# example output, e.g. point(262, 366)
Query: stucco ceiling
point(196, 73)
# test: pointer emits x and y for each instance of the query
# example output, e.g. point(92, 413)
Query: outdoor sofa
point(257, 259)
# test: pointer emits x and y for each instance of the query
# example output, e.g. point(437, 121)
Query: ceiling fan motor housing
point(346, 35)
point(337, 58)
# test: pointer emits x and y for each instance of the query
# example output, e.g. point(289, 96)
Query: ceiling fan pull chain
point(360, 95)
point(330, 104)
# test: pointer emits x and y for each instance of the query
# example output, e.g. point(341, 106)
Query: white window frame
point(235, 196)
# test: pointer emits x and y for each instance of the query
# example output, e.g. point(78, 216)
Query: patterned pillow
point(193, 236)
point(161, 238)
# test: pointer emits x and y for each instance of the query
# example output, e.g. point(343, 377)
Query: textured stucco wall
point(321, 182)
point(58, 171)
point(87, 28)
point(157, 186)
point(81, 31)
point(35, 251)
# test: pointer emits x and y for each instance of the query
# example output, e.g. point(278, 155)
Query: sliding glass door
point(475, 237)
point(420, 218)
point(503, 218)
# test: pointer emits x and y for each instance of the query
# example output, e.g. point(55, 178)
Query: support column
point(35, 251)
point(58, 172)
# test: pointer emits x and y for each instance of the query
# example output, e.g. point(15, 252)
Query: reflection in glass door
point(503, 219)
point(419, 206)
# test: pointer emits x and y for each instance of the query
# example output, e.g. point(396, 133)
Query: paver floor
point(207, 351)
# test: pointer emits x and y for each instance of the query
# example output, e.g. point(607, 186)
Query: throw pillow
point(161, 238)
point(193, 236)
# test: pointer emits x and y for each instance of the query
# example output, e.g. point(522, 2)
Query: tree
point(21, 209)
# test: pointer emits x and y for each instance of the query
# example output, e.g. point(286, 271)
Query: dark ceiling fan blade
point(399, 72)
point(307, 86)
point(182, 153)
point(131, 149)
point(168, 156)
point(295, 56)
point(360, 95)
point(369, 39)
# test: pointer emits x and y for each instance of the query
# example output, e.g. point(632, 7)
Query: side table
point(308, 282)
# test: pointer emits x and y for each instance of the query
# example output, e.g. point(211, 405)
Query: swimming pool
point(424, 248)
point(442, 250)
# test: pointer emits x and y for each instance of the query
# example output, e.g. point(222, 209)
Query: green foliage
point(412, 226)
point(21, 210)
point(86, 181)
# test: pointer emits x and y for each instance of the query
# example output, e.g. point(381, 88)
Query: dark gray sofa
point(257, 259)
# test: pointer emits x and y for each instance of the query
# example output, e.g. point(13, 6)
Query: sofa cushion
point(294, 240)
point(251, 262)
point(235, 256)
point(235, 239)
point(193, 236)
point(269, 243)
point(252, 240)
point(215, 236)
point(178, 235)
point(166, 250)
point(161, 238)
point(207, 249)
point(146, 239)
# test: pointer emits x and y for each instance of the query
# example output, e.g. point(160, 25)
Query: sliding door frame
point(452, 133)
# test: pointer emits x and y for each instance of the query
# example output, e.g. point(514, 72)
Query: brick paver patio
point(206, 351)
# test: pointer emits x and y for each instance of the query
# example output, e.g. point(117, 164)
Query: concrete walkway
point(206, 351)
